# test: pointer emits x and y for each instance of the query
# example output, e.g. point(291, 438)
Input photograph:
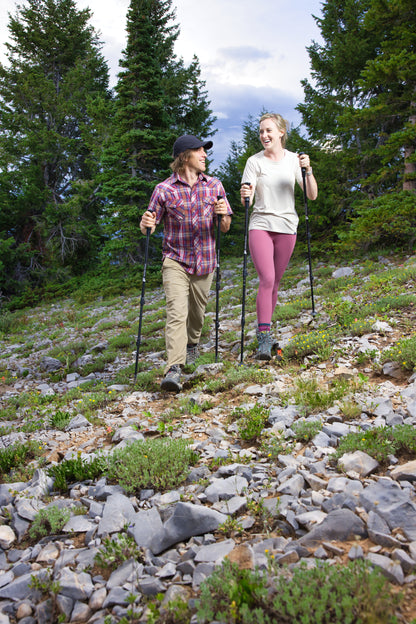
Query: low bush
point(159, 464)
point(350, 594)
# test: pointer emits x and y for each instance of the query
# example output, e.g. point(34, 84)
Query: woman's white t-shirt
point(274, 188)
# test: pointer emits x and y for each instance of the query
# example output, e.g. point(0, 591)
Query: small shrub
point(49, 521)
point(315, 342)
point(74, 470)
point(403, 352)
point(232, 376)
point(380, 442)
point(161, 464)
point(15, 456)
point(117, 549)
point(349, 594)
point(305, 430)
point(251, 422)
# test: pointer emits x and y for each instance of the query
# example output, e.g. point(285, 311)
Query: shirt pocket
point(175, 208)
point(208, 207)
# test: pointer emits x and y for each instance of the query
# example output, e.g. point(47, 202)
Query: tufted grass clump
point(159, 464)
point(403, 352)
point(326, 594)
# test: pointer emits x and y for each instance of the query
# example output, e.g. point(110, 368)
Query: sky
point(252, 54)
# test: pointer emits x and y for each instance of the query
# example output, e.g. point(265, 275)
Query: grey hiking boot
point(192, 353)
point(264, 351)
point(171, 382)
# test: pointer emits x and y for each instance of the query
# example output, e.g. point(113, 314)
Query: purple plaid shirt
point(188, 216)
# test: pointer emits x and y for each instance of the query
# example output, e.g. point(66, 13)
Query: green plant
point(230, 527)
point(273, 444)
point(117, 549)
point(251, 422)
point(44, 583)
point(49, 521)
point(76, 469)
point(305, 430)
point(161, 464)
point(326, 594)
point(380, 442)
point(232, 376)
point(314, 342)
point(403, 352)
point(15, 456)
point(59, 419)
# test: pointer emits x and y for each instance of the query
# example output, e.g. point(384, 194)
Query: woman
point(270, 177)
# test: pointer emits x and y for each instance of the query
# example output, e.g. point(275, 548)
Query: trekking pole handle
point(302, 168)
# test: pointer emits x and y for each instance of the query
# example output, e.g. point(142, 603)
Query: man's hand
point(220, 207)
point(148, 220)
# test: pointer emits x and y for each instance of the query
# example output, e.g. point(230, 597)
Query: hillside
point(118, 502)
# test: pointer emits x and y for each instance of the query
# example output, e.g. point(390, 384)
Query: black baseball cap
point(189, 141)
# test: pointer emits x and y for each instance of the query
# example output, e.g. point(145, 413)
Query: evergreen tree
point(157, 99)
point(336, 66)
point(389, 87)
point(54, 79)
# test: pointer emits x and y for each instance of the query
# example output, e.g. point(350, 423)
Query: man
point(188, 202)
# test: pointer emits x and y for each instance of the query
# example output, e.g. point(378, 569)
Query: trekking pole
point(308, 236)
point(217, 322)
point(243, 302)
point(146, 256)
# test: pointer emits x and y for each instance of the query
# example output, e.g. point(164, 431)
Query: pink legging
point(270, 252)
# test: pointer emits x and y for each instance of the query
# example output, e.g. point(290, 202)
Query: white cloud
point(252, 55)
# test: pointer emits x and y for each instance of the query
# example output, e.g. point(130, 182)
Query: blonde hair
point(282, 124)
point(180, 161)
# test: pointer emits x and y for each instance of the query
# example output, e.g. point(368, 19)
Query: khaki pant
point(186, 299)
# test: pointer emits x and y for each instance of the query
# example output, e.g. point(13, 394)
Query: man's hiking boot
point(264, 351)
point(192, 354)
point(171, 382)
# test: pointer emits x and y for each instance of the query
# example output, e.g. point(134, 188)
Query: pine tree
point(389, 86)
point(157, 99)
point(336, 66)
point(54, 79)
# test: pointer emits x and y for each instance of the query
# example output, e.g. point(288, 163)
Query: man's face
point(196, 160)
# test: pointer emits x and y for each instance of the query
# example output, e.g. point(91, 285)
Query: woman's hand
point(246, 191)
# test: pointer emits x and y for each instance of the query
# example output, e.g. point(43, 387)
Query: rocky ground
point(299, 506)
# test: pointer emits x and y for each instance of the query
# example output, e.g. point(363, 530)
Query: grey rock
point(214, 553)
point(118, 512)
point(358, 462)
point(187, 520)
point(391, 569)
point(224, 489)
point(341, 524)
point(76, 586)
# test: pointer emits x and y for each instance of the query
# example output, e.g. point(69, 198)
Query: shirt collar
point(202, 177)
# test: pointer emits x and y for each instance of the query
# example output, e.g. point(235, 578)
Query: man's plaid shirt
point(188, 217)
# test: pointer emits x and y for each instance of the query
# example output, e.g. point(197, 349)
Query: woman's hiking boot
point(264, 351)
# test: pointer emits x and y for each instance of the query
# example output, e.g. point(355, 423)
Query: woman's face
point(270, 135)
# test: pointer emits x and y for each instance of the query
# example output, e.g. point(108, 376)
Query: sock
point(264, 327)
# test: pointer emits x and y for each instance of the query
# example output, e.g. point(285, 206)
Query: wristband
point(310, 172)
